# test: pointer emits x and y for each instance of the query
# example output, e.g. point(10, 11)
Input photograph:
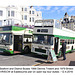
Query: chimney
point(31, 6)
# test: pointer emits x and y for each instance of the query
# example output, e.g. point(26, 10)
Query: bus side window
point(73, 41)
point(68, 42)
point(27, 40)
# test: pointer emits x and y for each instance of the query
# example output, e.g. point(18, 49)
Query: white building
point(27, 15)
point(68, 22)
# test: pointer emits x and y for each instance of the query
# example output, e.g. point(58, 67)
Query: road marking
point(42, 63)
point(37, 64)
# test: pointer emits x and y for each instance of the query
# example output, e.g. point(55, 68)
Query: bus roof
point(52, 27)
point(62, 33)
point(16, 30)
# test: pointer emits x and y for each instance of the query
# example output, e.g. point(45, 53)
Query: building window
point(40, 14)
point(1, 13)
point(25, 17)
point(37, 15)
point(25, 23)
point(63, 25)
point(25, 9)
point(29, 12)
point(0, 23)
point(8, 22)
point(32, 19)
point(69, 24)
point(22, 9)
point(66, 24)
point(12, 13)
point(66, 27)
point(8, 13)
point(22, 17)
point(32, 12)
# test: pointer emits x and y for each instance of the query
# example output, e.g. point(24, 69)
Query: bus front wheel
point(26, 49)
point(71, 49)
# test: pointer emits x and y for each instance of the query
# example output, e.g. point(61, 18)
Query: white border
point(38, 2)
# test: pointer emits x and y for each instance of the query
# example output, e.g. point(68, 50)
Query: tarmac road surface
point(35, 60)
point(20, 59)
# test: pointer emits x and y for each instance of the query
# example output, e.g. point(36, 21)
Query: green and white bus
point(48, 34)
point(15, 38)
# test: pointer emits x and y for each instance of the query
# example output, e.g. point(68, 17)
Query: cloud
point(64, 8)
point(48, 7)
point(71, 9)
point(56, 9)
point(39, 8)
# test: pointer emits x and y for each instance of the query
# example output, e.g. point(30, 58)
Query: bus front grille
point(40, 50)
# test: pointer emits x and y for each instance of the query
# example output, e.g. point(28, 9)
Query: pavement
point(35, 60)
point(70, 61)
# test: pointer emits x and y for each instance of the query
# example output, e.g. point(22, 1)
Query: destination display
point(42, 30)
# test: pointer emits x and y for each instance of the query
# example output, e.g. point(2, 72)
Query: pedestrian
point(63, 49)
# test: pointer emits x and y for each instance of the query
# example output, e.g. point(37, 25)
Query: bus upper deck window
point(73, 41)
point(38, 30)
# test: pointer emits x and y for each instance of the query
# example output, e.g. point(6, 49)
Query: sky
point(51, 9)
point(55, 12)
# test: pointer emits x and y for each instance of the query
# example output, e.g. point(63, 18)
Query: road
point(34, 60)
point(20, 60)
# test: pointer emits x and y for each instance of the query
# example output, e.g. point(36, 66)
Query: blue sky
point(55, 12)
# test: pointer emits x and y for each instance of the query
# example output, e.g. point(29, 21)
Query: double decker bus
point(14, 37)
point(48, 34)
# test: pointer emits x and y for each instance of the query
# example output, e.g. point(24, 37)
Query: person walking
point(63, 49)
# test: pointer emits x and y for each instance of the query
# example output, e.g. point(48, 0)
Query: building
point(27, 15)
point(7, 13)
point(68, 22)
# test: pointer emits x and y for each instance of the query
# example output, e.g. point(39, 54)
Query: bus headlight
point(10, 49)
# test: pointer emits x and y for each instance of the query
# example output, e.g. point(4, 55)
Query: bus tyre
point(71, 49)
point(26, 49)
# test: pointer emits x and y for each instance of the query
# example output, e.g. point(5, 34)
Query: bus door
point(18, 39)
point(56, 43)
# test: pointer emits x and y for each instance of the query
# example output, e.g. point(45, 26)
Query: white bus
point(15, 38)
point(48, 34)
